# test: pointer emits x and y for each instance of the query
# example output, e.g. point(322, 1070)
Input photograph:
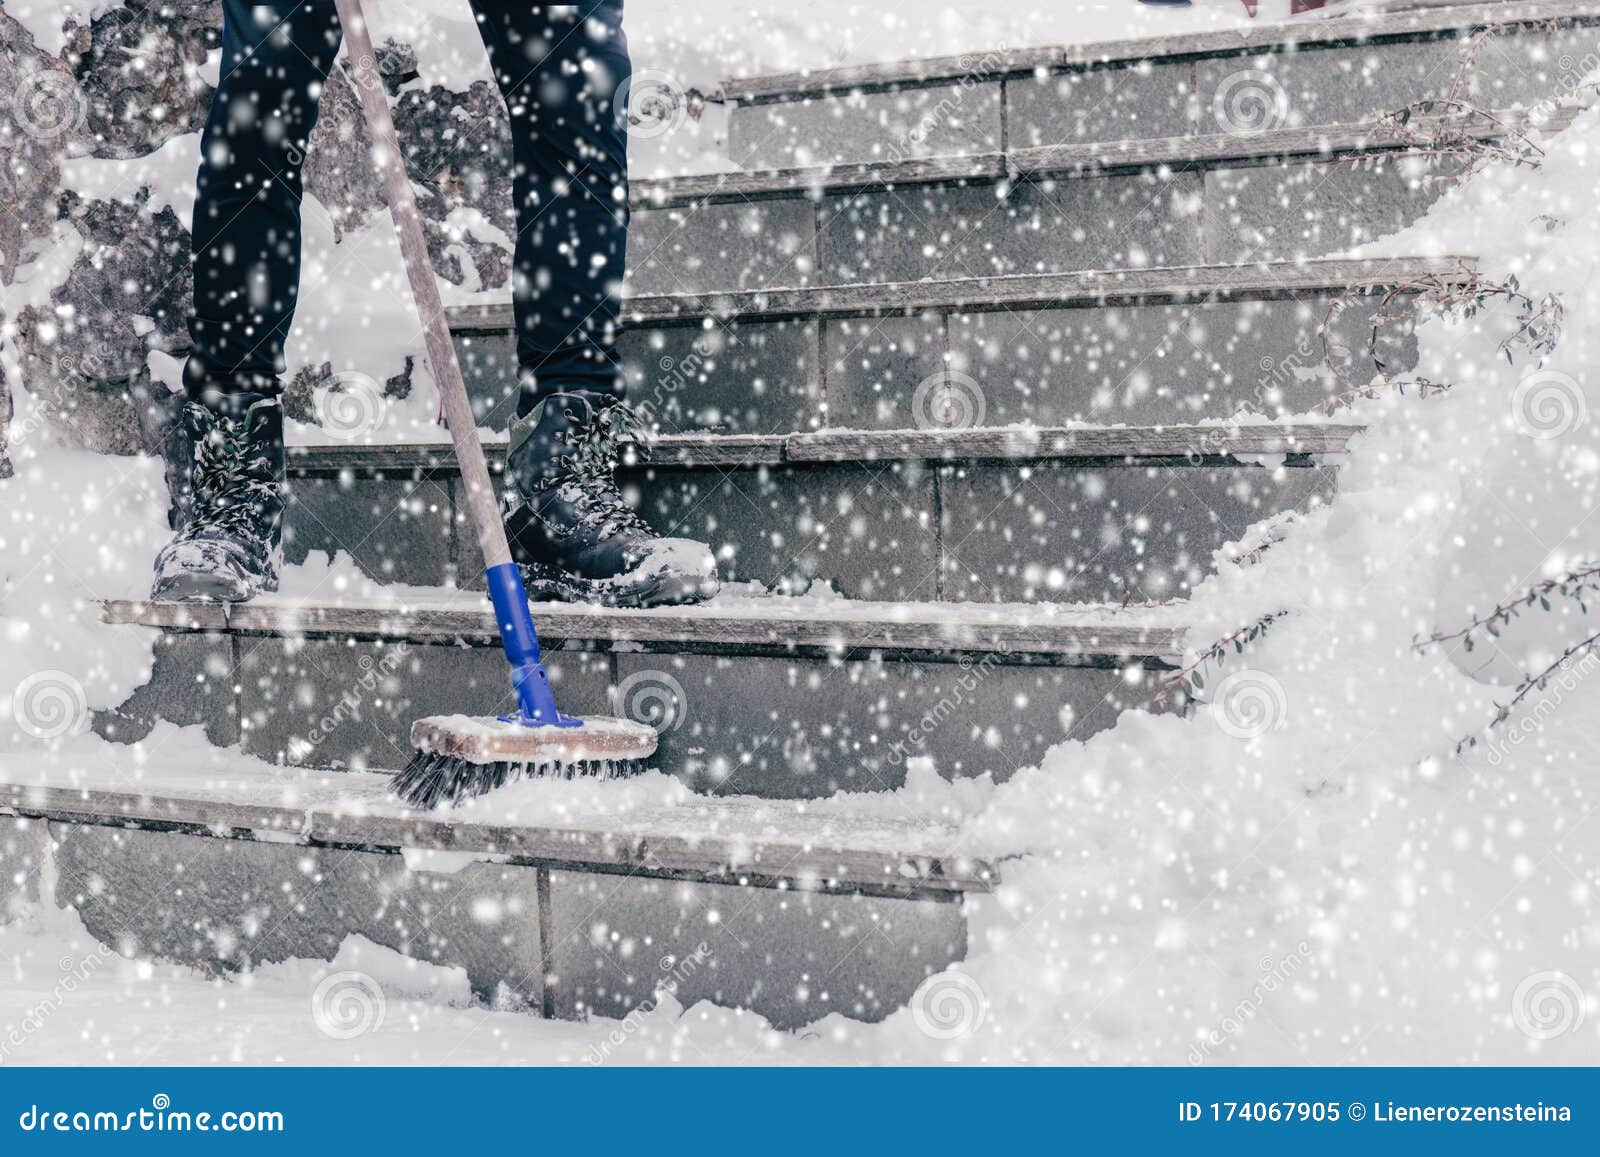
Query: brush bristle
point(432, 780)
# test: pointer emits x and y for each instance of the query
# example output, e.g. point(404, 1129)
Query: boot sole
point(657, 590)
point(207, 587)
point(201, 588)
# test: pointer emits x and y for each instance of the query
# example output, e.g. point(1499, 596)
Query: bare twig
point(1573, 585)
point(1424, 387)
point(1190, 679)
point(1529, 685)
point(1453, 127)
point(1455, 130)
point(1461, 296)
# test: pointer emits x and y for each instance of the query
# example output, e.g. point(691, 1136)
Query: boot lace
point(232, 484)
point(591, 462)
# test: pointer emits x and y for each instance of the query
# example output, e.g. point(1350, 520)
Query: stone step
point(1051, 208)
point(1112, 347)
point(1012, 443)
point(1088, 288)
point(1073, 159)
point(752, 696)
point(997, 515)
point(1365, 140)
point(1155, 61)
point(542, 900)
point(1332, 74)
point(731, 840)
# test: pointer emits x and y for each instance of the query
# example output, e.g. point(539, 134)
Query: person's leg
point(225, 460)
point(275, 59)
point(563, 70)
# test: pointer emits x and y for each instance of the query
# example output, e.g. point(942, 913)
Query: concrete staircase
point(1003, 348)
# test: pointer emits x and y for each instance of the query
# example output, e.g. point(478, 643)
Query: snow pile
point(63, 547)
point(73, 1000)
point(1311, 825)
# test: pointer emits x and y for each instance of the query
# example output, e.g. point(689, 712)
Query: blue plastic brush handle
point(536, 702)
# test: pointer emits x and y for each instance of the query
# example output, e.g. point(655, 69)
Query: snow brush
point(458, 757)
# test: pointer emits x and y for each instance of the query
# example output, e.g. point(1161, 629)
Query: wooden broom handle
point(366, 79)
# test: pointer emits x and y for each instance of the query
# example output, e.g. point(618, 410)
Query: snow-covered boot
point(225, 470)
point(570, 528)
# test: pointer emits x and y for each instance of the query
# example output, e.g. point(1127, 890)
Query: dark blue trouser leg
point(275, 57)
point(560, 68)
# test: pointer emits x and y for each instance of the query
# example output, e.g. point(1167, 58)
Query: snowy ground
point(1321, 881)
point(70, 1001)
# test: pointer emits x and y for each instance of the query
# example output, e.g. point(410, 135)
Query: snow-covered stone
point(85, 354)
point(142, 69)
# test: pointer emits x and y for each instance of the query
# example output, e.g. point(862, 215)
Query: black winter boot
point(570, 528)
point(225, 471)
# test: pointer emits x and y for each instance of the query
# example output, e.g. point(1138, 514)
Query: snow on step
point(770, 697)
point(1339, 71)
point(1303, 436)
point(829, 625)
point(653, 826)
point(540, 894)
point(1401, 20)
point(1088, 288)
point(1071, 158)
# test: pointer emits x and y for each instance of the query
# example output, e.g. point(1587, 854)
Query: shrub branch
point(1192, 678)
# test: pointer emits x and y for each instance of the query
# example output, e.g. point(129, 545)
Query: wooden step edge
point(1008, 443)
point(1067, 443)
point(743, 185)
point(438, 458)
point(1326, 141)
point(914, 873)
point(938, 630)
point(1069, 160)
point(979, 66)
point(1088, 288)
